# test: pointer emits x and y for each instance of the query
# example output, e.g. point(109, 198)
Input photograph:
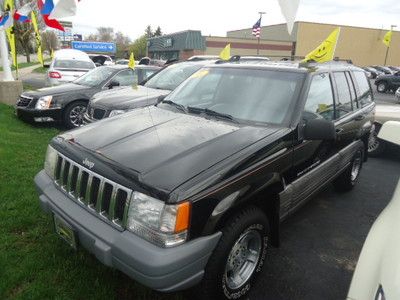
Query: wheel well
point(268, 202)
point(74, 101)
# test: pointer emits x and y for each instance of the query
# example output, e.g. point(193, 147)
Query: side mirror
point(319, 129)
point(161, 98)
point(46, 66)
point(112, 84)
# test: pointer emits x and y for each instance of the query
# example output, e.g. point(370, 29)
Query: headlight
point(161, 224)
point(44, 102)
point(51, 161)
point(116, 113)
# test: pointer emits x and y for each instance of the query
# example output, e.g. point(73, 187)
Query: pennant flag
point(226, 53)
point(46, 9)
point(289, 10)
point(326, 51)
point(131, 63)
point(387, 39)
point(63, 9)
point(37, 37)
point(257, 28)
point(52, 54)
point(6, 21)
point(22, 14)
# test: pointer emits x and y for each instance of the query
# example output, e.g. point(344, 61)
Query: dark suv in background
point(111, 103)
point(191, 192)
point(386, 83)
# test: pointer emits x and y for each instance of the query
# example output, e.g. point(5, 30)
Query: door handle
point(339, 130)
point(359, 118)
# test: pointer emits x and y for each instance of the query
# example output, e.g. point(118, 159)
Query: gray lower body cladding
point(161, 269)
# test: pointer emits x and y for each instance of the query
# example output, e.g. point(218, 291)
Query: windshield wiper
point(177, 105)
point(212, 113)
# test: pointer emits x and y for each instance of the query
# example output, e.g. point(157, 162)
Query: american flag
point(257, 28)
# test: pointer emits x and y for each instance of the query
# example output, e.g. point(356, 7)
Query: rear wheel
point(238, 257)
point(382, 87)
point(348, 179)
point(73, 114)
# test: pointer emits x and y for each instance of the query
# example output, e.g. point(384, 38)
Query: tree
point(148, 31)
point(25, 37)
point(105, 34)
point(139, 47)
point(49, 40)
point(158, 32)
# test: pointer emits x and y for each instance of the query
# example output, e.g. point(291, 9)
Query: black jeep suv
point(191, 192)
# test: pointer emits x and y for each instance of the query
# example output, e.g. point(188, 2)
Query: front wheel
point(348, 179)
point(381, 87)
point(73, 114)
point(238, 257)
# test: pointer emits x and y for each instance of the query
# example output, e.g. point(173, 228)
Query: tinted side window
point(343, 102)
point(126, 77)
point(319, 101)
point(364, 91)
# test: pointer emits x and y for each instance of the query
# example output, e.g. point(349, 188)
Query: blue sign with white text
point(94, 46)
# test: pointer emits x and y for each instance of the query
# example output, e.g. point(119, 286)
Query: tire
point(375, 146)
point(382, 87)
point(249, 225)
point(73, 114)
point(349, 178)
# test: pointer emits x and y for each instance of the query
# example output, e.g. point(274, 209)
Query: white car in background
point(68, 65)
point(101, 59)
point(383, 113)
point(377, 275)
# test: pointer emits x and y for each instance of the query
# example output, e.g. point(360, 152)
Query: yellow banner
point(326, 51)
point(9, 6)
point(387, 39)
point(38, 38)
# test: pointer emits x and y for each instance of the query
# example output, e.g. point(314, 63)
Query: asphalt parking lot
point(322, 241)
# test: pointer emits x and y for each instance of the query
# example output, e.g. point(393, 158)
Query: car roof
point(120, 67)
point(71, 54)
point(293, 66)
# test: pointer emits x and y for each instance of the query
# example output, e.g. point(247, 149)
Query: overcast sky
point(216, 17)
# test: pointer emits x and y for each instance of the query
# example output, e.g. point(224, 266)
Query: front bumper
point(31, 113)
point(167, 270)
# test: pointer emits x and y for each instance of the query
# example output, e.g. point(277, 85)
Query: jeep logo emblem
point(88, 163)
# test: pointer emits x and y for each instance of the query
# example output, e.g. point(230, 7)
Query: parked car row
point(186, 180)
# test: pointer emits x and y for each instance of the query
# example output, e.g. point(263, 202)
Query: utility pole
point(387, 48)
point(258, 43)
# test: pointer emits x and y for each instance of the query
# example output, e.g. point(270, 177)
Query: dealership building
point(361, 45)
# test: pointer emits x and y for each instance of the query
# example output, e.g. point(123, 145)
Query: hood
point(166, 148)
point(57, 90)
point(125, 98)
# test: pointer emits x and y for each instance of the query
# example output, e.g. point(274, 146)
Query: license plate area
point(65, 231)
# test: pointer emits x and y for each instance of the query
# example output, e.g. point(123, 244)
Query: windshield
point(172, 76)
point(73, 64)
point(95, 76)
point(256, 96)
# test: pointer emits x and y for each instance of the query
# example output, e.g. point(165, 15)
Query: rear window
point(73, 64)
point(364, 92)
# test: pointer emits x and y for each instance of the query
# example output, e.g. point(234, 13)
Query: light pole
point(387, 49)
point(258, 43)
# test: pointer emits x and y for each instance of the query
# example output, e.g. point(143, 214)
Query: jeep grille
point(99, 195)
